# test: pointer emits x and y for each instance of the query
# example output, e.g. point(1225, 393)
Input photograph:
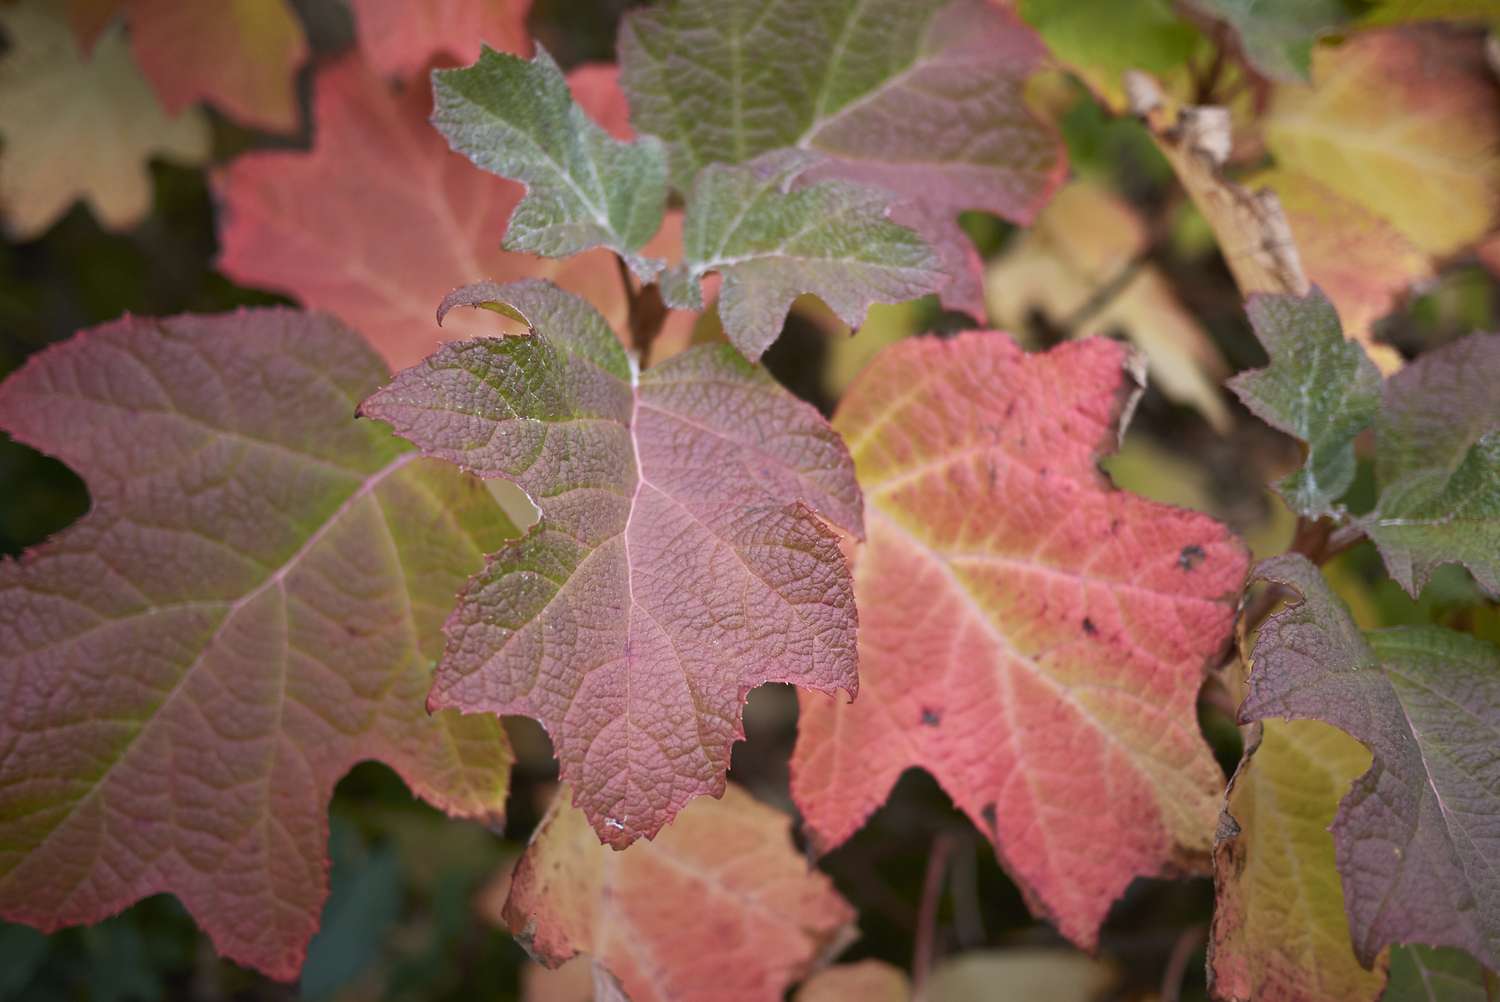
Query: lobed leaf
point(1404, 123)
point(380, 220)
point(1319, 388)
point(1280, 933)
point(772, 244)
point(78, 127)
point(516, 118)
point(1418, 836)
point(681, 558)
point(240, 55)
point(923, 99)
point(762, 918)
point(250, 608)
point(1032, 637)
point(1437, 460)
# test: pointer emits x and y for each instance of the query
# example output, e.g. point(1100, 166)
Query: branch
point(647, 311)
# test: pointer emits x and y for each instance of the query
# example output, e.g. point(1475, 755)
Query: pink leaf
point(1029, 635)
point(680, 560)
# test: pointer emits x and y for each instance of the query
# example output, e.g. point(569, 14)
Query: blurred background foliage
point(413, 893)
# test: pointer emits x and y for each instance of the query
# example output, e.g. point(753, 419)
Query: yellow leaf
point(1279, 929)
point(80, 128)
point(1405, 123)
point(1358, 259)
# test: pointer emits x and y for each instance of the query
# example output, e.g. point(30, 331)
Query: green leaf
point(1422, 974)
point(1277, 36)
point(1318, 387)
point(516, 118)
point(1100, 40)
point(773, 244)
point(923, 98)
point(1437, 461)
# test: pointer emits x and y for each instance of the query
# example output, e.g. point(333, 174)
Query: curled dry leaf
point(762, 919)
point(1031, 636)
point(251, 606)
point(1280, 931)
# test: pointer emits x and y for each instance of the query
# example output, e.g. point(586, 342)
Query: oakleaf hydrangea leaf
point(1280, 933)
point(1318, 387)
point(515, 117)
point(1403, 122)
point(241, 55)
point(1437, 460)
point(1418, 836)
point(679, 562)
point(80, 127)
point(1029, 635)
point(761, 917)
point(251, 607)
point(772, 244)
point(379, 220)
point(923, 98)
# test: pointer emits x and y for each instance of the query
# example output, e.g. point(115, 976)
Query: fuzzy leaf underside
point(682, 557)
point(1319, 388)
point(516, 118)
point(773, 243)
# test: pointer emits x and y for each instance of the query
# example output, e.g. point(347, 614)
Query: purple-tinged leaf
point(1418, 836)
point(1437, 459)
point(251, 607)
point(679, 562)
point(923, 98)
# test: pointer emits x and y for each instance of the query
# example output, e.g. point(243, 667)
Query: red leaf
point(251, 607)
point(680, 559)
point(380, 221)
point(241, 55)
point(400, 37)
point(1029, 635)
point(760, 917)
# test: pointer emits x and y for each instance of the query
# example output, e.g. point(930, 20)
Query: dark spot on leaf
point(1190, 557)
point(1089, 627)
point(931, 717)
point(1114, 527)
point(990, 818)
